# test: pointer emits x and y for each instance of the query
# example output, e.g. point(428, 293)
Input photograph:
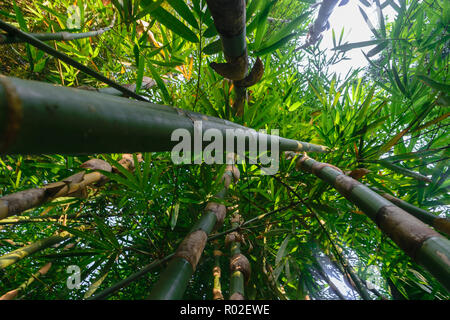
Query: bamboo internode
point(419, 241)
point(37, 117)
point(16, 255)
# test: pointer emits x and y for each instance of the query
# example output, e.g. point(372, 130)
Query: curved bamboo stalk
point(416, 239)
point(439, 223)
point(61, 36)
point(173, 281)
point(38, 118)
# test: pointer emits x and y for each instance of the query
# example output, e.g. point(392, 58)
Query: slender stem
point(63, 57)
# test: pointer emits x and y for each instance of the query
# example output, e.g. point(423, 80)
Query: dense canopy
point(308, 231)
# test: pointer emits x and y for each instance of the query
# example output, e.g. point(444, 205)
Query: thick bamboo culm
point(174, 279)
point(424, 245)
point(37, 117)
point(441, 224)
point(229, 19)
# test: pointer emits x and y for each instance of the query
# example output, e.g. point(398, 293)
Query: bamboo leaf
point(275, 46)
point(160, 83)
point(183, 10)
point(147, 8)
point(170, 22)
point(286, 30)
point(213, 47)
point(86, 235)
point(282, 250)
point(439, 86)
point(102, 276)
point(350, 46)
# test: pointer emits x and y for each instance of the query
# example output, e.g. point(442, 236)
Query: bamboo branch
point(73, 186)
point(11, 295)
point(63, 57)
point(17, 255)
point(60, 36)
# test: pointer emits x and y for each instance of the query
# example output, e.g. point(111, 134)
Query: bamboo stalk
point(320, 24)
point(137, 275)
point(174, 280)
point(239, 264)
point(11, 295)
point(229, 18)
point(63, 57)
point(38, 118)
point(416, 239)
point(439, 223)
point(61, 36)
point(17, 255)
point(73, 186)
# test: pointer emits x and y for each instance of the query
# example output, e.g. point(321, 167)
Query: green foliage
point(391, 119)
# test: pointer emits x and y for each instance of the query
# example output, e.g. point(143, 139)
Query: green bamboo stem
point(38, 118)
point(416, 239)
point(217, 272)
point(59, 36)
point(439, 223)
point(13, 31)
point(174, 279)
point(73, 186)
point(17, 255)
point(137, 275)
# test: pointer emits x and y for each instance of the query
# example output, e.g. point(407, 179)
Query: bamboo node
point(408, 232)
point(253, 77)
point(345, 184)
point(237, 296)
point(233, 237)
point(239, 262)
point(192, 246)
point(219, 210)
